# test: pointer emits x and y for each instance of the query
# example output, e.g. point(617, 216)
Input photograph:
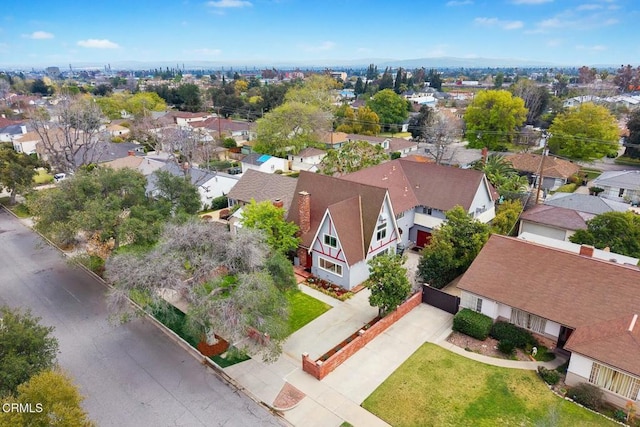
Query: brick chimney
point(304, 211)
point(586, 250)
point(131, 153)
point(278, 203)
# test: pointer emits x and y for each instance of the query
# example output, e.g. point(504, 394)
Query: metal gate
point(439, 299)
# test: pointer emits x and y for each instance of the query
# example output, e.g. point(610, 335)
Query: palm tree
point(501, 173)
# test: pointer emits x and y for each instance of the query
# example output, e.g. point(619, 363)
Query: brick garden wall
point(320, 369)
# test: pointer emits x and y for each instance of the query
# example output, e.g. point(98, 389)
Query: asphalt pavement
point(132, 374)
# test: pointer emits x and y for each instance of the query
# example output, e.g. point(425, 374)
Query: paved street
point(131, 375)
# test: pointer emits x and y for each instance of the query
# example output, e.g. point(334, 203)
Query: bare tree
point(187, 147)
point(71, 136)
point(534, 95)
point(441, 132)
point(221, 277)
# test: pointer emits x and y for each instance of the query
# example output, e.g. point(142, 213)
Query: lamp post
point(546, 137)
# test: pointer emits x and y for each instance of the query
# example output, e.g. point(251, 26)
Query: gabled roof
point(340, 197)
point(566, 219)
point(553, 167)
point(412, 183)
point(614, 342)
point(261, 186)
point(585, 203)
point(570, 289)
point(619, 179)
point(310, 152)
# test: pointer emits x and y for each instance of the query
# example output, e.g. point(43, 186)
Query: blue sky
point(563, 32)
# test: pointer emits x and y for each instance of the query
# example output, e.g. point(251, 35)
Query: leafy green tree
point(388, 282)
point(507, 216)
point(180, 195)
point(40, 87)
point(453, 248)
point(390, 107)
point(316, 91)
point(26, 348)
point(359, 87)
point(492, 117)
point(189, 97)
point(498, 80)
point(58, 398)
point(111, 204)
point(351, 157)
point(632, 142)
point(586, 132)
point(289, 128)
point(362, 122)
point(386, 82)
point(281, 271)
point(372, 72)
point(16, 171)
point(270, 219)
point(501, 174)
point(419, 123)
point(434, 79)
point(619, 231)
point(397, 84)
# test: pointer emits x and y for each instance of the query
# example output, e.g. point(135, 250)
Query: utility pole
point(541, 174)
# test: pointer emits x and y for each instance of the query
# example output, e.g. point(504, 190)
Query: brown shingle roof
point(412, 183)
point(339, 197)
point(554, 216)
point(553, 167)
point(262, 186)
point(567, 288)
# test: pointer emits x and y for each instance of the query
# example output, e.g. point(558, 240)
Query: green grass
point(19, 209)
point(438, 388)
point(627, 161)
point(303, 309)
point(591, 173)
point(42, 177)
point(232, 357)
point(395, 134)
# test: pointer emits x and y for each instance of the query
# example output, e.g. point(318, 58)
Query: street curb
point(204, 360)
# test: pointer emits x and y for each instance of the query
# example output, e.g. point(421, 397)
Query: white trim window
point(330, 240)
point(330, 266)
point(472, 302)
point(614, 381)
point(381, 231)
point(528, 321)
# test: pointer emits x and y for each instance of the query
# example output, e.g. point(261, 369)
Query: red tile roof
point(569, 289)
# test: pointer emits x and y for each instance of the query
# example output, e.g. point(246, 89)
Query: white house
point(622, 186)
point(264, 163)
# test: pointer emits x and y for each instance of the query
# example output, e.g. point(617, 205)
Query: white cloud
point(589, 6)
point(324, 46)
point(459, 2)
point(531, 1)
point(98, 44)
point(206, 52)
point(594, 48)
point(495, 22)
point(38, 35)
point(226, 4)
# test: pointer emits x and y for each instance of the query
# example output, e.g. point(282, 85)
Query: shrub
point(567, 188)
point(595, 190)
point(506, 346)
point(476, 325)
point(518, 336)
point(587, 395)
point(548, 375)
point(219, 203)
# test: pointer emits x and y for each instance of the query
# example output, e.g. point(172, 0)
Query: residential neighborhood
point(259, 235)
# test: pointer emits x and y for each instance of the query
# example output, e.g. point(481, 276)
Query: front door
point(564, 335)
point(423, 238)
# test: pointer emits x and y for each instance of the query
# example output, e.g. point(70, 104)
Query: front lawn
point(303, 309)
point(42, 177)
point(438, 388)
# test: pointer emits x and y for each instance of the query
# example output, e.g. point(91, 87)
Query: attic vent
point(633, 322)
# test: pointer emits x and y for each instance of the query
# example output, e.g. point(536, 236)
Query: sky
point(557, 32)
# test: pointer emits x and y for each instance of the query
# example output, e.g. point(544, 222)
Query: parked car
point(59, 177)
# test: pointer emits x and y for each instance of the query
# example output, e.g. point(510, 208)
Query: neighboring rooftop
point(619, 179)
point(585, 203)
point(567, 219)
point(573, 290)
point(261, 186)
point(553, 167)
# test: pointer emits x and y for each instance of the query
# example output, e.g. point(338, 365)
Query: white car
point(59, 177)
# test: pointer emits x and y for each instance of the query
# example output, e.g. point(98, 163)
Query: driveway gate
point(439, 299)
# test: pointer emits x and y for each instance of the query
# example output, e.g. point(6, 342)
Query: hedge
point(476, 325)
point(518, 336)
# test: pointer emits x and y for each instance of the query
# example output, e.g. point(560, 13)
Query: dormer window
point(381, 231)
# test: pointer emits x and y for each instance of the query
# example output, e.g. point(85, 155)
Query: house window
point(400, 215)
point(331, 267)
point(528, 321)
point(621, 192)
point(381, 231)
point(384, 252)
point(472, 302)
point(330, 241)
point(614, 381)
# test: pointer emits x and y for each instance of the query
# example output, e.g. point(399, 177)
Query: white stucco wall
point(405, 223)
point(542, 230)
point(482, 201)
point(552, 329)
point(580, 365)
point(504, 311)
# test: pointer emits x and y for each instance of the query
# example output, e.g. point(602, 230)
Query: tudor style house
point(589, 307)
point(343, 224)
point(421, 193)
